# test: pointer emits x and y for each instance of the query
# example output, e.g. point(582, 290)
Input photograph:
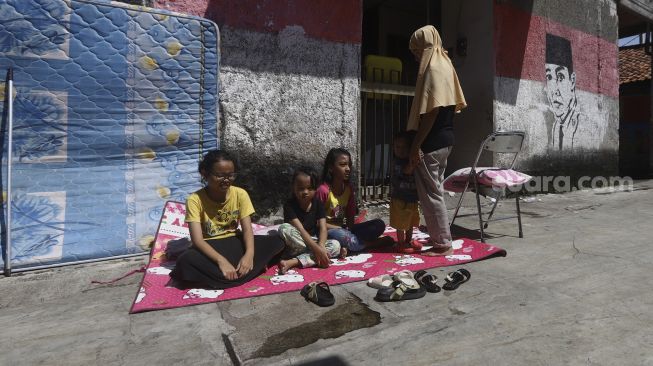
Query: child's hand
point(343, 253)
point(245, 265)
point(228, 271)
point(321, 257)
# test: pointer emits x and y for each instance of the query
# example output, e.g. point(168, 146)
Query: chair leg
point(521, 233)
point(460, 201)
point(480, 214)
point(494, 207)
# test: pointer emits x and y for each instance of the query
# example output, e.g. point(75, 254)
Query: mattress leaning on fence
point(113, 106)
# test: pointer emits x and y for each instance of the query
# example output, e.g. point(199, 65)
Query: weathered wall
point(469, 20)
point(556, 72)
point(289, 91)
point(194, 7)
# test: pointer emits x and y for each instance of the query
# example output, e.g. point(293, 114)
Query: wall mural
point(558, 82)
point(561, 93)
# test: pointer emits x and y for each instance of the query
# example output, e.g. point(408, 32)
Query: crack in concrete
point(576, 208)
point(513, 341)
point(231, 351)
point(573, 245)
point(578, 251)
point(437, 330)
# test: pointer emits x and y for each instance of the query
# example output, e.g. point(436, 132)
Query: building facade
point(291, 77)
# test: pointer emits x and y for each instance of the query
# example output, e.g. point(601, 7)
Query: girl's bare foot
point(343, 252)
point(285, 265)
point(405, 248)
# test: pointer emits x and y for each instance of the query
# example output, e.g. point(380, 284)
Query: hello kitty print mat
point(154, 294)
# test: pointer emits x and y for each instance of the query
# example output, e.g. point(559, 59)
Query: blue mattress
point(114, 105)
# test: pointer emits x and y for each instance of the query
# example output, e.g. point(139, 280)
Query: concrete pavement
point(574, 291)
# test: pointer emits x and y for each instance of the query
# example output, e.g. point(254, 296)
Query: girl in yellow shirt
point(222, 255)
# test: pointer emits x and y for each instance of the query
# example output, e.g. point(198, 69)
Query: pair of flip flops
point(455, 279)
point(403, 286)
point(452, 281)
point(318, 293)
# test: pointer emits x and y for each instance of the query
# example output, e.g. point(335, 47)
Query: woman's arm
point(246, 263)
point(427, 121)
point(197, 238)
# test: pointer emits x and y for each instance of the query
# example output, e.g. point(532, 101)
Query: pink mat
point(155, 295)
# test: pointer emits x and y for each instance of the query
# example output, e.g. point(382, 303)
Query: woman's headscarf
point(437, 83)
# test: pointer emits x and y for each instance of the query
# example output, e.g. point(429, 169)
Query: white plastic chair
point(504, 142)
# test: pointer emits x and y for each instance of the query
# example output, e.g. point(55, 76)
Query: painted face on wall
point(560, 89)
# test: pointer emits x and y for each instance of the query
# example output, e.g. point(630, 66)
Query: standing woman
point(438, 97)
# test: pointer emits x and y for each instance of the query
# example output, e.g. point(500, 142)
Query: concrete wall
point(290, 74)
point(469, 19)
point(577, 42)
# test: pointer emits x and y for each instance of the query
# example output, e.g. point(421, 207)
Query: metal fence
point(384, 111)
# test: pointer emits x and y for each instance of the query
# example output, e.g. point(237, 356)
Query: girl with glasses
point(222, 255)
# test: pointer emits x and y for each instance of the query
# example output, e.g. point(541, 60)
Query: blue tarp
point(114, 105)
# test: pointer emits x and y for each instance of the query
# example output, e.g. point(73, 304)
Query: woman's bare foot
point(438, 250)
point(285, 265)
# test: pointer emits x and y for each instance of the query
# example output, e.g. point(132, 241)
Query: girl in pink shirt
point(337, 194)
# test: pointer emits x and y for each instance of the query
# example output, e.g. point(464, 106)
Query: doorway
point(635, 95)
point(388, 78)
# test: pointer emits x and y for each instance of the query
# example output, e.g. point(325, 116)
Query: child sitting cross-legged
point(305, 230)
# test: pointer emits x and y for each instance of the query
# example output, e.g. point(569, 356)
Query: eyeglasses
point(222, 176)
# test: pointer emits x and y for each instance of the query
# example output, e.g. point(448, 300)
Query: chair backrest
point(508, 142)
point(504, 142)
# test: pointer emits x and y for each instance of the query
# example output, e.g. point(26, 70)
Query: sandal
point(318, 293)
point(382, 281)
point(407, 278)
point(456, 278)
point(399, 291)
point(429, 281)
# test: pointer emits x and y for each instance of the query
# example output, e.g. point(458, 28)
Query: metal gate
point(384, 111)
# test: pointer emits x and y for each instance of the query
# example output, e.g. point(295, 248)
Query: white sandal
point(407, 278)
point(379, 282)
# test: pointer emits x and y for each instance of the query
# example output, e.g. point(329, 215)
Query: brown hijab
point(437, 83)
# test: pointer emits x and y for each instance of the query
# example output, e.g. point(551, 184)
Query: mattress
point(113, 107)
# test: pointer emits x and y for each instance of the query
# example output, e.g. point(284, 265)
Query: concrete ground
point(576, 290)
